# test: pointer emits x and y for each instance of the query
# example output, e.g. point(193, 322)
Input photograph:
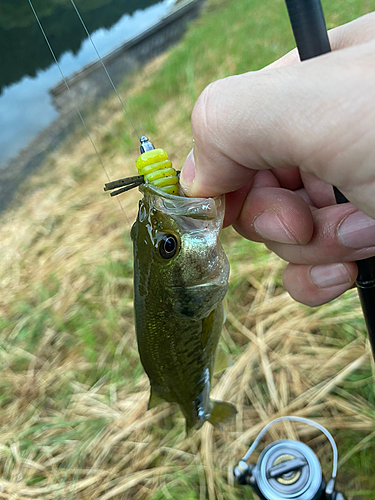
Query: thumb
point(224, 181)
point(315, 115)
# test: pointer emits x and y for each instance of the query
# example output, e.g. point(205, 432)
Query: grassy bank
point(73, 395)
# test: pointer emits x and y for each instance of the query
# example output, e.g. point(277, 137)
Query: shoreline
point(32, 157)
point(123, 61)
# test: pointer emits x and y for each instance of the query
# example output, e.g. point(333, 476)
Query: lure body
point(180, 280)
point(154, 168)
point(157, 170)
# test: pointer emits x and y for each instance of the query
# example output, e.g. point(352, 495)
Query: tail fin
point(221, 412)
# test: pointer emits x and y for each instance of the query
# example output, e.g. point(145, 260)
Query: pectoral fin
point(222, 360)
point(154, 400)
point(221, 412)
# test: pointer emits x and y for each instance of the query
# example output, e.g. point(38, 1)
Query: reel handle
point(300, 420)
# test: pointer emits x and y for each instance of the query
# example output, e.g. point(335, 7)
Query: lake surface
point(28, 70)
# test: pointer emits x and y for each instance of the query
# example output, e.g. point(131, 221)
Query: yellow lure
point(153, 167)
point(158, 171)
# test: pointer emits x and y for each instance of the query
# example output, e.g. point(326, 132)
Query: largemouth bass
point(180, 281)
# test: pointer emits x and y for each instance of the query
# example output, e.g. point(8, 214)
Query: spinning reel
point(288, 469)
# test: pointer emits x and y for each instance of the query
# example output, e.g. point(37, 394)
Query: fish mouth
point(202, 285)
point(204, 209)
point(220, 280)
point(197, 301)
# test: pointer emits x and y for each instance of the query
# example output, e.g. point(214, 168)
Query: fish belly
point(178, 357)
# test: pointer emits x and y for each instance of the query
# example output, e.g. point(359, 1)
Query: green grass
point(73, 420)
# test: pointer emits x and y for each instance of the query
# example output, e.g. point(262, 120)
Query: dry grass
point(73, 419)
point(99, 442)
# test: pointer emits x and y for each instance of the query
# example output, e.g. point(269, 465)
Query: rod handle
point(310, 33)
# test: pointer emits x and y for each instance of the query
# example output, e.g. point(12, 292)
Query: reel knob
point(289, 470)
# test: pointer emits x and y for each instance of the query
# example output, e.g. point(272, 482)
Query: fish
point(180, 281)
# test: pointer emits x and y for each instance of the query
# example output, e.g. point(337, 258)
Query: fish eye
point(168, 246)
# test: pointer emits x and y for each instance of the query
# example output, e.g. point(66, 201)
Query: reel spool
point(288, 469)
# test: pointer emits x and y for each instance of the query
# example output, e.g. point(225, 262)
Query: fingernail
point(269, 226)
point(329, 275)
point(188, 172)
point(357, 231)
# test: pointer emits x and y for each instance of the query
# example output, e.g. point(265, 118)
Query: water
point(25, 104)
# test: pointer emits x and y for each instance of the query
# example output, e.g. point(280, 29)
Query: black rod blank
point(310, 33)
point(309, 27)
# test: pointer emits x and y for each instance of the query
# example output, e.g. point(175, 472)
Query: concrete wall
point(91, 83)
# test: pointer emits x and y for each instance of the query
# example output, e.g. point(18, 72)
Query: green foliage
point(359, 468)
point(184, 486)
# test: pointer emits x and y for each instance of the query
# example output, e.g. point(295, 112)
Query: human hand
point(276, 140)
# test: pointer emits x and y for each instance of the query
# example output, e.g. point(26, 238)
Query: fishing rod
point(310, 33)
point(289, 469)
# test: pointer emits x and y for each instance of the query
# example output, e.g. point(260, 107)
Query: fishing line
point(104, 67)
point(73, 100)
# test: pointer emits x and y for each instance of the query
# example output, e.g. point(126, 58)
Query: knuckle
point(204, 115)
